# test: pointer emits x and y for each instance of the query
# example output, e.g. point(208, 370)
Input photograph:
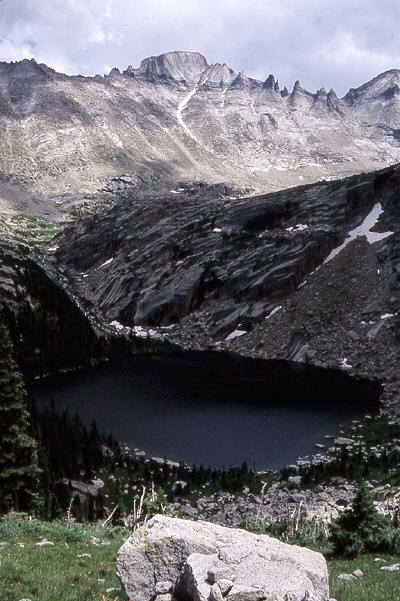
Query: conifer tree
point(19, 471)
point(361, 529)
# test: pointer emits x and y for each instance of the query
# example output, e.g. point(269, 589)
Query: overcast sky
point(331, 43)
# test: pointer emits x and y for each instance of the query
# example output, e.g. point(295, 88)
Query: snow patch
point(235, 334)
point(297, 228)
point(117, 325)
point(217, 229)
point(362, 230)
point(387, 315)
point(139, 331)
point(344, 364)
point(274, 311)
point(223, 97)
point(106, 263)
point(181, 107)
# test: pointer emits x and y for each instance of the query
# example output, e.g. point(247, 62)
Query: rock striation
point(308, 274)
point(199, 561)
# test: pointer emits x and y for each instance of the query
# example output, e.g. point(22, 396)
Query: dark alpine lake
point(213, 408)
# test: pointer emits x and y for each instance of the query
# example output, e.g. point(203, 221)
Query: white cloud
point(116, 37)
point(14, 52)
point(345, 51)
point(335, 43)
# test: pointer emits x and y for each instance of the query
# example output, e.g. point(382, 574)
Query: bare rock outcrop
point(204, 561)
point(177, 117)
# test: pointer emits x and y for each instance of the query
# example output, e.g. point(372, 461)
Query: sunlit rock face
point(176, 117)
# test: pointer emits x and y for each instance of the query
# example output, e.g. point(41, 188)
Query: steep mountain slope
point(50, 328)
point(306, 274)
point(178, 118)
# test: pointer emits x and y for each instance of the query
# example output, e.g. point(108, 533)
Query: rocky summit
point(176, 117)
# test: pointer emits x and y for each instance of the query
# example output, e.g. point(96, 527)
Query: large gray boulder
point(208, 562)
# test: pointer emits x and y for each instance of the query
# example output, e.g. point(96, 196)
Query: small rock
point(358, 573)
point(84, 555)
point(245, 593)
point(218, 573)
point(393, 568)
point(294, 482)
point(163, 587)
point(342, 441)
point(215, 593)
point(225, 585)
point(346, 577)
point(112, 590)
point(45, 543)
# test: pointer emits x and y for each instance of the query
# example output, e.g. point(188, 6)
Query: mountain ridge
point(163, 64)
point(176, 117)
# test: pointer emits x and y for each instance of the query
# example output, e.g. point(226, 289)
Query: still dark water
point(212, 408)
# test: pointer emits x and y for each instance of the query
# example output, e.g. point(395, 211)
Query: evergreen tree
point(361, 529)
point(19, 471)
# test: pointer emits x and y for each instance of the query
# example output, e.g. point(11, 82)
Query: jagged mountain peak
point(299, 88)
point(377, 87)
point(271, 84)
point(178, 64)
point(241, 82)
point(299, 96)
point(116, 71)
point(220, 74)
point(25, 68)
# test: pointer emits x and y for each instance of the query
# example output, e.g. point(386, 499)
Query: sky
point(332, 43)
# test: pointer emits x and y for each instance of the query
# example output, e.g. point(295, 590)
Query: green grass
point(375, 585)
point(36, 232)
point(378, 431)
point(55, 573)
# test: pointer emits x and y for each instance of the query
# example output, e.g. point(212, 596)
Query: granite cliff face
point(178, 118)
point(307, 274)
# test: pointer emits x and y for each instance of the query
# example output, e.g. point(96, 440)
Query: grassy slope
point(36, 232)
point(57, 574)
point(375, 585)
